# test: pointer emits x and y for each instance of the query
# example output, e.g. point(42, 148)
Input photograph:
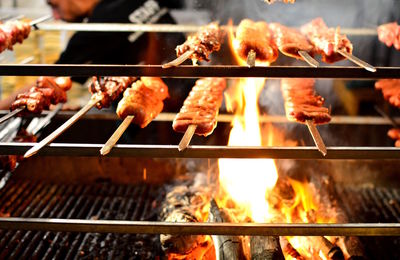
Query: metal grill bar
point(171, 151)
point(225, 118)
point(163, 28)
point(247, 229)
point(188, 71)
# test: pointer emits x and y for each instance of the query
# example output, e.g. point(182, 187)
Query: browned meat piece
point(35, 102)
point(290, 41)
point(109, 89)
point(144, 100)
point(4, 40)
point(258, 37)
point(201, 106)
point(394, 133)
point(50, 89)
point(12, 32)
point(64, 82)
point(45, 92)
point(390, 89)
point(301, 103)
point(9, 162)
point(207, 40)
point(326, 40)
point(389, 34)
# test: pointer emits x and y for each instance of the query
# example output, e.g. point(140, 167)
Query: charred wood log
point(331, 251)
point(185, 202)
point(289, 250)
point(265, 248)
point(226, 247)
point(354, 248)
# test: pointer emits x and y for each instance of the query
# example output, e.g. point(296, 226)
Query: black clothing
point(115, 47)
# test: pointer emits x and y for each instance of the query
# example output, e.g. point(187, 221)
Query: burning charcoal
point(180, 244)
point(289, 250)
point(226, 247)
point(265, 248)
point(185, 202)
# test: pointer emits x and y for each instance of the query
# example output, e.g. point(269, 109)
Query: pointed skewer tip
point(307, 58)
point(178, 61)
point(187, 137)
point(106, 149)
point(317, 137)
point(50, 138)
point(357, 61)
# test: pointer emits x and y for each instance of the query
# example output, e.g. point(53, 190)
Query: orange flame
point(246, 184)
point(247, 180)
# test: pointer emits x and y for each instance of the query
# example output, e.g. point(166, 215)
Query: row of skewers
point(15, 31)
point(261, 42)
point(143, 99)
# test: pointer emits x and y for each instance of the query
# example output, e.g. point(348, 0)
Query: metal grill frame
point(362, 229)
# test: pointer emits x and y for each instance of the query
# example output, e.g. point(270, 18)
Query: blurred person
point(116, 47)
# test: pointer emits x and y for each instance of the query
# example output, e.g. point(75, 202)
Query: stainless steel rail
point(188, 71)
point(223, 118)
point(197, 151)
point(163, 28)
point(245, 229)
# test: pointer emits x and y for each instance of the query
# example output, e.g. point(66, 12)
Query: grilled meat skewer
point(198, 47)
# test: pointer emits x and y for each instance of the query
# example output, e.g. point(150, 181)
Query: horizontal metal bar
point(246, 229)
point(162, 28)
point(189, 71)
point(197, 151)
point(224, 118)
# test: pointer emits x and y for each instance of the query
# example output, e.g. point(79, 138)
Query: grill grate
point(373, 204)
point(95, 201)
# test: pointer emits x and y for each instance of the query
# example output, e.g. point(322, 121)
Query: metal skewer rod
point(187, 137)
point(116, 135)
point(92, 102)
point(14, 18)
point(35, 22)
point(47, 119)
point(178, 61)
point(317, 137)
point(357, 61)
point(251, 59)
point(11, 114)
point(382, 113)
point(307, 58)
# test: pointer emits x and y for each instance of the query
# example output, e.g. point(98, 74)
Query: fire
point(247, 180)
point(247, 186)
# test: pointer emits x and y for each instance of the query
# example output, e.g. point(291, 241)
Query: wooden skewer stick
point(187, 137)
point(317, 137)
point(11, 114)
point(251, 58)
point(92, 102)
point(116, 135)
point(307, 58)
point(357, 61)
point(178, 61)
